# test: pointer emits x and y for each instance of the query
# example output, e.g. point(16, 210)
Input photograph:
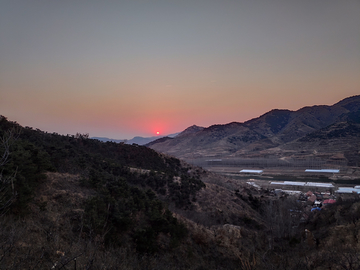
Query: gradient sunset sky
point(119, 69)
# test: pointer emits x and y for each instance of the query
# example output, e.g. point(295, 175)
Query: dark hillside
point(125, 204)
point(69, 202)
point(36, 152)
point(84, 198)
point(275, 120)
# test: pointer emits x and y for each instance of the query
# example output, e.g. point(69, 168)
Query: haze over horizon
point(133, 68)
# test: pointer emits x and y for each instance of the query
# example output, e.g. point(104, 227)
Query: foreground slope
point(105, 204)
point(68, 202)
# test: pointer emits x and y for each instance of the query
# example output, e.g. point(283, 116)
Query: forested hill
point(70, 202)
point(67, 152)
point(33, 152)
point(132, 184)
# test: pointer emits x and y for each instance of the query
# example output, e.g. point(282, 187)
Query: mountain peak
point(350, 103)
point(190, 130)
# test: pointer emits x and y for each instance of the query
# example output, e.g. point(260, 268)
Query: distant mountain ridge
point(105, 139)
point(271, 130)
point(188, 131)
point(136, 140)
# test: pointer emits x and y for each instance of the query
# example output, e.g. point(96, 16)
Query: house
point(312, 198)
point(317, 203)
point(329, 201)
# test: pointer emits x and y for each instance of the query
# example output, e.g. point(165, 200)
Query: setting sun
point(157, 132)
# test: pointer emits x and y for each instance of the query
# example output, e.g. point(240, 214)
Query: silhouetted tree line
point(122, 195)
point(35, 152)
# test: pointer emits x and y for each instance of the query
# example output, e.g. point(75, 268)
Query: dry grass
point(51, 235)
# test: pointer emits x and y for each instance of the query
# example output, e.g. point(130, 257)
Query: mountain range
point(321, 131)
point(136, 140)
point(70, 202)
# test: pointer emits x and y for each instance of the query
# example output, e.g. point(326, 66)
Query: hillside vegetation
point(70, 202)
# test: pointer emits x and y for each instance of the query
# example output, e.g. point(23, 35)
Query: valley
point(71, 202)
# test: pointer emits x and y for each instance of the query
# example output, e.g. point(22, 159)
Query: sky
point(121, 69)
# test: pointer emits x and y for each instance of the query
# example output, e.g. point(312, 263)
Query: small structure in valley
point(348, 190)
point(329, 201)
point(309, 184)
point(252, 171)
point(323, 170)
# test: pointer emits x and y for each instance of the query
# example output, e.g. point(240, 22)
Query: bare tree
point(7, 190)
